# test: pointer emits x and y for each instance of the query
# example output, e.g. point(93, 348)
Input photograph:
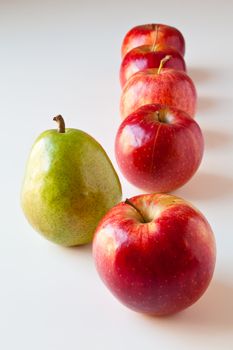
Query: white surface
point(63, 57)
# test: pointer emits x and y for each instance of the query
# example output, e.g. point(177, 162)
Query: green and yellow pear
point(69, 185)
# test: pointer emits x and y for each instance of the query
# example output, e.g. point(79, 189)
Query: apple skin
point(152, 34)
point(144, 57)
point(168, 87)
point(158, 155)
point(160, 265)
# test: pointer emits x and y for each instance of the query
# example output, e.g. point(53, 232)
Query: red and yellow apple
point(163, 85)
point(158, 148)
point(153, 34)
point(144, 57)
point(155, 253)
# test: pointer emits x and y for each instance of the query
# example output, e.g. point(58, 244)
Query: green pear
point(69, 185)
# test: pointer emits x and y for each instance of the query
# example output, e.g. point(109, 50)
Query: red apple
point(155, 252)
point(166, 86)
point(158, 148)
point(143, 57)
point(153, 34)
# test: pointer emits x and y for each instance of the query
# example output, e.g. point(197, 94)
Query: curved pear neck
point(60, 123)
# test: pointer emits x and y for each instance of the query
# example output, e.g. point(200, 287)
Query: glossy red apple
point(153, 34)
point(158, 149)
point(144, 57)
point(163, 85)
point(155, 252)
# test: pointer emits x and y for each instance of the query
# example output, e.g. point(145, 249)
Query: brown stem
point(61, 124)
point(127, 201)
point(161, 115)
point(158, 116)
point(164, 60)
point(155, 29)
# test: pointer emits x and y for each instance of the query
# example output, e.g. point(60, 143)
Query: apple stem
point(164, 60)
point(161, 115)
point(158, 115)
point(61, 124)
point(155, 28)
point(127, 201)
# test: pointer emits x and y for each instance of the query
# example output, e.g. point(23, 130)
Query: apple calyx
point(127, 201)
point(164, 60)
point(61, 124)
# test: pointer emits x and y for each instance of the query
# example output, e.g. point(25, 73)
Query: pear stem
point(61, 124)
point(164, 60)
point(127, 201)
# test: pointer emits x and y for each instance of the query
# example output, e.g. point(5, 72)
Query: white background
point(63, 57)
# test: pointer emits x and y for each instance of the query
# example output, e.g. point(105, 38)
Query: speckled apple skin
point(144, 57)
point(152, 34)
point(69, 185)
point(157, 156)
point(170, 87)
point(160, 267)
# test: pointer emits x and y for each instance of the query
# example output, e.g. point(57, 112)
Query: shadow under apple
point(206, 186)
point(211, 313)
point(215, 104)
point(201, 74)
point(214, 310)
point(205, 103)
point(216, 138)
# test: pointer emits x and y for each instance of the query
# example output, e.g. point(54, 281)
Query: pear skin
point(69, 185)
